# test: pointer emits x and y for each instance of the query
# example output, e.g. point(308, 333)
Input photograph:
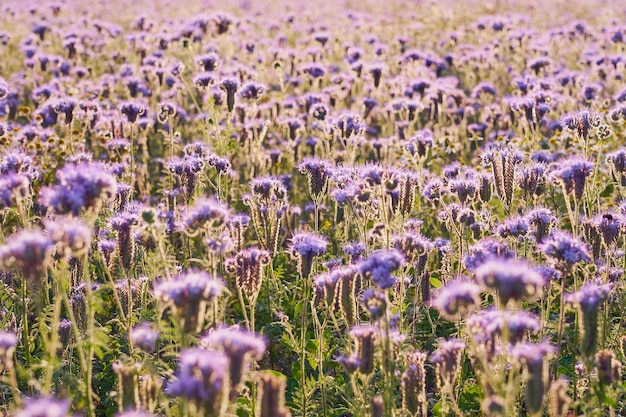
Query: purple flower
point(28, 251)
point(84, 186)
point(511, 279)
point(590, 296)
point(240, 346)
point(307, 244)
point(447, 359)
point(71, 236)
point(144, 337)
point(44, 407)
point(247, 266)
point(485, 250)
point(202, 378)
point(380, 265)
point(457, 297)
point(188, 294)
point(205, 213)
point(516, 227)
point(572, 174)
point(564, 251)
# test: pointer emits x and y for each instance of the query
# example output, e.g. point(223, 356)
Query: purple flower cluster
point(380, 265)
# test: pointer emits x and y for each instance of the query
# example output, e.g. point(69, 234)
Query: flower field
point(339, 209)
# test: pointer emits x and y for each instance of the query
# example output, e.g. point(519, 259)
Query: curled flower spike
point(306, 246)
point(588, 300)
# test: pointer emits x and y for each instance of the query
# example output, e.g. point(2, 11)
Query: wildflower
point(485, 250)
point(186, 169)
point(44, 407)
point(123, 224)
point(564, 251)
point(588, 300)
point(581, 122)
point(240, 346)
point(617, 161)
point(206, 213)
point(127, 384)
point(84, 186)
point(14, 188)
point(28, 251)
point(364, 336)
point(167, 110)
point(512, 280)
point(344, 297)
point(532, 356)
point(572, 174)
point(209, 62)
point(531, 179)
point(188, 294)
point(72, 237)
point(252, 91)
point(609, 226)
point(457, 298)
point(609, 368)
point(413, 384)
point(267, 203)
point(204, 80)
point(558, 400)
point(306, 246)
point(317, 172)
point(230, 87)
point(8, 341)
point(132, 110)
point(503, 163)
point(355, 250)
point(447, 360)
point(377, 406)
point(202, 379)
point(516, 227)
point(540, 220)
point(144, 337)
point(464, 189)
point(247, 266)
point(379, 266)
point(271, 395)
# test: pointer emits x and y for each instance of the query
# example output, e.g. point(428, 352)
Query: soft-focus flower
point(44, 407)
point(457, 298)
point(380, 265)
point(202, 378)
point(512, 280)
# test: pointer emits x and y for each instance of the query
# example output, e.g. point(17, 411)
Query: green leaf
point(435, 282)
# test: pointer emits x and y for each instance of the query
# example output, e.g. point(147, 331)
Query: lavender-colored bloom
point(202, 378)
point(71, 236)
point(13, 188)
point(541, 220)
point(355, 250)
point(457, 298)
point(485, 250)
point(144, 337)
point(380, 265)
point(318, 172)
point(306, 246)
point(590, 295)
point(564, 251)
point(581, 122)
point(516, 227)
point(240, 346)
point(447, 359)
point(132, 110)
point(8, 342)
point(84, 186)
point(588, 300)
point(511, 279)
point(28, 251)
point(188, 294)
point(532, 356)
point(247, 266)
point(205, 212)
point(44, 407)
point(572, 174)
point(609, 225)
point(252, 91)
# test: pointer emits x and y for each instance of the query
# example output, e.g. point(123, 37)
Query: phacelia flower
point(512, 280)
point(380, 265)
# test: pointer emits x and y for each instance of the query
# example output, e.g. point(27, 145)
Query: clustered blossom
point(512, 280)
point(380, 265)
point(188, 294)
point(457, 298)
point(306, 246)
point(80, 187)
point(202, 379)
